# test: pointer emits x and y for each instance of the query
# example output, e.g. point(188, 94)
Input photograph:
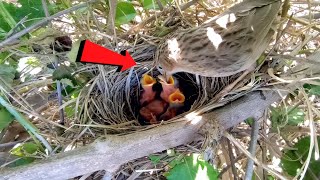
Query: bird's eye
point(160, 69)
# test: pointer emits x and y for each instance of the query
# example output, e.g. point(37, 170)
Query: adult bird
point(227, 44)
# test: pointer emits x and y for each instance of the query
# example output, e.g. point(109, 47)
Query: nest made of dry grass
point(110, 103)
point(106, 104)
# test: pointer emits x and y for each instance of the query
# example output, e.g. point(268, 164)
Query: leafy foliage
point(312, 89)
point(155, 159)
point(5, 118)
point(7, 74)
point(192, 168)
point(63, 72)
point(292, 160)
point(125, 12)
point(281, 116)
point(11, 14)
point(26, 152)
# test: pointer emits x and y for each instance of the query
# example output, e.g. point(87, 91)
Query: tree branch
point(113, 151)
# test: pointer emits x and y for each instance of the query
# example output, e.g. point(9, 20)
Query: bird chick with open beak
point(169, 86)
point(152, 111)
point(148, 94)
point(176, 101)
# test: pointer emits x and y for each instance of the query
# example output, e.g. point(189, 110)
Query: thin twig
point(152, 18)
point(303, 22)
point(264, 145)
point(252, 149)
point(247, 153)
point(225, 169)
point(42, 23)
point(233, 167)
point(306, 164)
point(13, 143)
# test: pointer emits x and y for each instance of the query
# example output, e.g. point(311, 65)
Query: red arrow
point(90, 52)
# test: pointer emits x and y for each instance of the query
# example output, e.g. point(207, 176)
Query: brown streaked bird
point(148, 94)
point(176, 101)
point(227, 44)
point(151, 111)
point(168, 87)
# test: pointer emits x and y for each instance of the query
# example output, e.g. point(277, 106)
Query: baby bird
point(151, 111)
point(148, 94)
point(176, 101)
point(168, 86)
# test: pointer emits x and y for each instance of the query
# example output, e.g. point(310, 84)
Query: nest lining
point(110, 105)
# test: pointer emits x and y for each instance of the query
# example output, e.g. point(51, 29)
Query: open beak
point(176, 101)
point(164, 80)
point(168, 87)
point(177, 98)
point(168, 77)
point(147, 80)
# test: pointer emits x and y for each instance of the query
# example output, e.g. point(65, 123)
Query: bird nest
point(110, 104)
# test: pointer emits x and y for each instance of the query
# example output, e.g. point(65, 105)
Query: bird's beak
point(177, 98)
point(147, 80)
point(168, 77)
point(166, 80)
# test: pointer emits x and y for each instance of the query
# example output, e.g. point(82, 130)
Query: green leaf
point(32, 9)
point(192, 168)
point(249, 121)
point(292, 160)
point(33, 62)
point(312, 89)
point(72, 55)
point(125, 12)
point(67, 82)
point(6, 19)
point(281, 116)
point(7, 74)
point(295, 116)
point(62, 72)
point(3, 56)
point(75, 93)
point(70, 110)
point(5, 118)
point(155, 159)
point(25, 150)
point(270, 177)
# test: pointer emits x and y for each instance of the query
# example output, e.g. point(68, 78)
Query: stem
point(252, 149)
